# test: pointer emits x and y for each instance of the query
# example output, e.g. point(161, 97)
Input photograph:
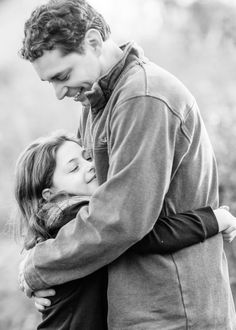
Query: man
point(152, 155)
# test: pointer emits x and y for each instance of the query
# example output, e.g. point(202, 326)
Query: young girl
point(53, 181)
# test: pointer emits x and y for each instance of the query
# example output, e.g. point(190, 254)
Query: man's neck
point(111, 55)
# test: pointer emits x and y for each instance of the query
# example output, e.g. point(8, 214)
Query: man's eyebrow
point(53, 77)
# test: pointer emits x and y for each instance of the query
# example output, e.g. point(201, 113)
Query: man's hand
point(24, 286)
point(39, 296)
point(22, 283)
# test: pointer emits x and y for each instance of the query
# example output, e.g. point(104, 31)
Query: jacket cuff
point(210, 222)
point(33, 280)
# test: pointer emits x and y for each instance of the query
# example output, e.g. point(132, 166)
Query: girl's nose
point(90, 172)
point(90, 167)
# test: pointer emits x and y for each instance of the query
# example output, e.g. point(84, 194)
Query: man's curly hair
point(60, 24)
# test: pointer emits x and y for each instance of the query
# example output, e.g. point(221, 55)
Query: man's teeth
point(78, 94)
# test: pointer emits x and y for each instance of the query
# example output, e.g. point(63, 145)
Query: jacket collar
point(103, 88)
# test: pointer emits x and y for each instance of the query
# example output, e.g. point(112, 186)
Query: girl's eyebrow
point(72, 160)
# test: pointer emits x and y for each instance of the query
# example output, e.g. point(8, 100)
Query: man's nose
point(60, 91)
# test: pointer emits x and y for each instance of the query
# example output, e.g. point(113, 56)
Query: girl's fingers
point(226, 207)
point(229, 236)
point(42, 301)
point(39, 307)
point(44, 293)
point(229, 230)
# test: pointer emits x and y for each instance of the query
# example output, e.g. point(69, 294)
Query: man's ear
point(47, 194)
point(93, 39)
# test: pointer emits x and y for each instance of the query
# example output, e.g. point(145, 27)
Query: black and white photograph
point(118, 165)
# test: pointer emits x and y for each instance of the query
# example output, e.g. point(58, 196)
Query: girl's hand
point(229, 234)
point(41, 298)
point(226, 222)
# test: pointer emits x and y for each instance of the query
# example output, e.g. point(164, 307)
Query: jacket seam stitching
point(183, 122)
point(181, 292)
point(173, 111)
point(145, 78)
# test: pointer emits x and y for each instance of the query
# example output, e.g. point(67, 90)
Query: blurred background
point(195, 40)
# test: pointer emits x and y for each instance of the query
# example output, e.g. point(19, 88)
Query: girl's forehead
point(68, 149)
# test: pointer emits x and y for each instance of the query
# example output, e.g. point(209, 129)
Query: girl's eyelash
point(75, 168)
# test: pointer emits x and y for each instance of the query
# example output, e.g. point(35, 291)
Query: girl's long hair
point(33, 173)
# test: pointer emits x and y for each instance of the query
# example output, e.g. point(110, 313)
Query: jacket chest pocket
point(100, 142)
point(101, 158)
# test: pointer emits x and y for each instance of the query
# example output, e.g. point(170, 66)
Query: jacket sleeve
point(178, 231)
point(142, 137)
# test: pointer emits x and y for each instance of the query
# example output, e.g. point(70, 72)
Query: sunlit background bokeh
point(195, 40)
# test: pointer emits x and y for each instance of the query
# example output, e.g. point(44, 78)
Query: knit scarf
point(59, 210)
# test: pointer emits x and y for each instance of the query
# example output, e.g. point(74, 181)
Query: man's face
point(69, 74)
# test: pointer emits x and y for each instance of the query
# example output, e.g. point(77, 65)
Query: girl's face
point(73, 173)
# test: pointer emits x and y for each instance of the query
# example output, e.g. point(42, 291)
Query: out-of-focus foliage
point(195, 40)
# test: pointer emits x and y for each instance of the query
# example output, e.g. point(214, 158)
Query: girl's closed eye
point(74, 168)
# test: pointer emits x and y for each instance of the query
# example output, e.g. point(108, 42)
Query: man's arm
point(125, 208)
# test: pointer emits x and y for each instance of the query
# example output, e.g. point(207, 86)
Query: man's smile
point(79, 94)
